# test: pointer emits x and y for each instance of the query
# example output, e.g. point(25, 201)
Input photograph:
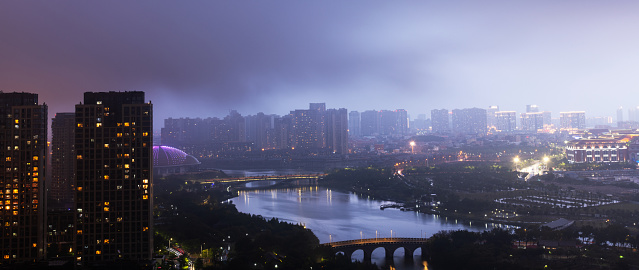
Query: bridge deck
point(377, 241)
point(264, 178)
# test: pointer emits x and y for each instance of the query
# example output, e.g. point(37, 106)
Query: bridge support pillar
point(389, 253)
point(367, 256)
point(408, 254)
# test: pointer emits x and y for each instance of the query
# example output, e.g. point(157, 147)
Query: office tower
point(506, 121)
point(62, 160)
point(547, 119)
point(572, 120)
point(370, 123)
point(469, 121)
point(619, 116)
point(23, 148)
point(633, 114)
point(354, 128)
point(532, 108)
point(337, 130)
point(439, 120)
point(532, 121)
point(490, 117)
point(113, 199)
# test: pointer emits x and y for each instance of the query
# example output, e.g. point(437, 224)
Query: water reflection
point(338, 216)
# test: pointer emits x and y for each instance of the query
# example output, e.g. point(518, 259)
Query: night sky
point(204, 58)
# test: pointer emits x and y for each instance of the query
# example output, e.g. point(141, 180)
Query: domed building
point(168, 160)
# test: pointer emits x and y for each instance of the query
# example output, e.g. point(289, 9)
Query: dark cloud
point(203, 58)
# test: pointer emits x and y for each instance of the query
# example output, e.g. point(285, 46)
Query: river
point(338, 216)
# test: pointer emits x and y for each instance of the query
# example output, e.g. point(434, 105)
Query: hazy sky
point(204, 58)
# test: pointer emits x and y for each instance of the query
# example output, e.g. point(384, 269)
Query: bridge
point(263, 178)
point(390, 245)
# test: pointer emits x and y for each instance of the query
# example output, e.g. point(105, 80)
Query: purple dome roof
point(166, 156)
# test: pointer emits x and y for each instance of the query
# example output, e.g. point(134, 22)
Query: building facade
point(506, 121)
point(62, 160)
point(114, 195)
point(23, 151)
point(596, 151)
point(469, 121)
point(439, 121)
point(572, 120)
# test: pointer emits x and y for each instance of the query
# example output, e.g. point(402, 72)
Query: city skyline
point(205, 59)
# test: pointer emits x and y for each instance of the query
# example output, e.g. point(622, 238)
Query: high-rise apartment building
point(23, 151)
point(619, 116)
point(62, 160)
point(113, 202)
point(490, 117)
point(439, 121)
point(337, 130)
point(572, 120)
point(532, 108)
point(469, 121)
point(370, 123)
point(532, 121)
point(506, 121)
point(354, 127)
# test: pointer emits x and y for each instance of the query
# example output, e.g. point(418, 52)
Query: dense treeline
point(381, 183)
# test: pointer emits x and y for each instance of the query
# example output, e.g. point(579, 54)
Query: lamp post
point(170, 239)
point(516, 160)
point(546, 159)
point(412, 147)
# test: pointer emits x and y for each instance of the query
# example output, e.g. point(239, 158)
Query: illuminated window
point(79, 188)
point(106, 209)
point(80, 125)
point(17, 121)
point(145, 197)
point(119, 134)
point(8, 159)
point(79, 157)
point(35, 169)
point(106, 241)
point(126, 166)
point(145, 134)
point(126, 124)
point(106, 177)
point(35, 179)
point(79, 232)
point(35, 245)
point(145, 229)
point(97, 252)
point(146, 181)
point(35, 157)
point(15, 191)
point(98, 124)
point(106, 145)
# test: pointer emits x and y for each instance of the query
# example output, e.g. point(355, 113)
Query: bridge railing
point(376, 241)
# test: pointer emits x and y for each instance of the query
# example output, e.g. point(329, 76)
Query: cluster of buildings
point(482, 121)
point(98, 207)
point(315, 129)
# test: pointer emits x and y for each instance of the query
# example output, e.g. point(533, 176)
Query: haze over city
point(200, 59)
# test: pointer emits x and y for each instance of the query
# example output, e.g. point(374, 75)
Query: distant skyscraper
point(532, 108)
point(532, 121)
point(439, 121)
point(506, 121)
point(572, 120)
point(337, 130)
point(490, 117)
point(370, 123)
point(354, 128)
point(619, 116)
point(62, 160)
point(401, 122)
point(23, 151)
point(469, 121)
point(114, 177)
point(633, 114)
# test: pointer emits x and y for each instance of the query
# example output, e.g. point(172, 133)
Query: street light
point(170, 239)
point(516, 160)
point(546, 159)
point(412, 147)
